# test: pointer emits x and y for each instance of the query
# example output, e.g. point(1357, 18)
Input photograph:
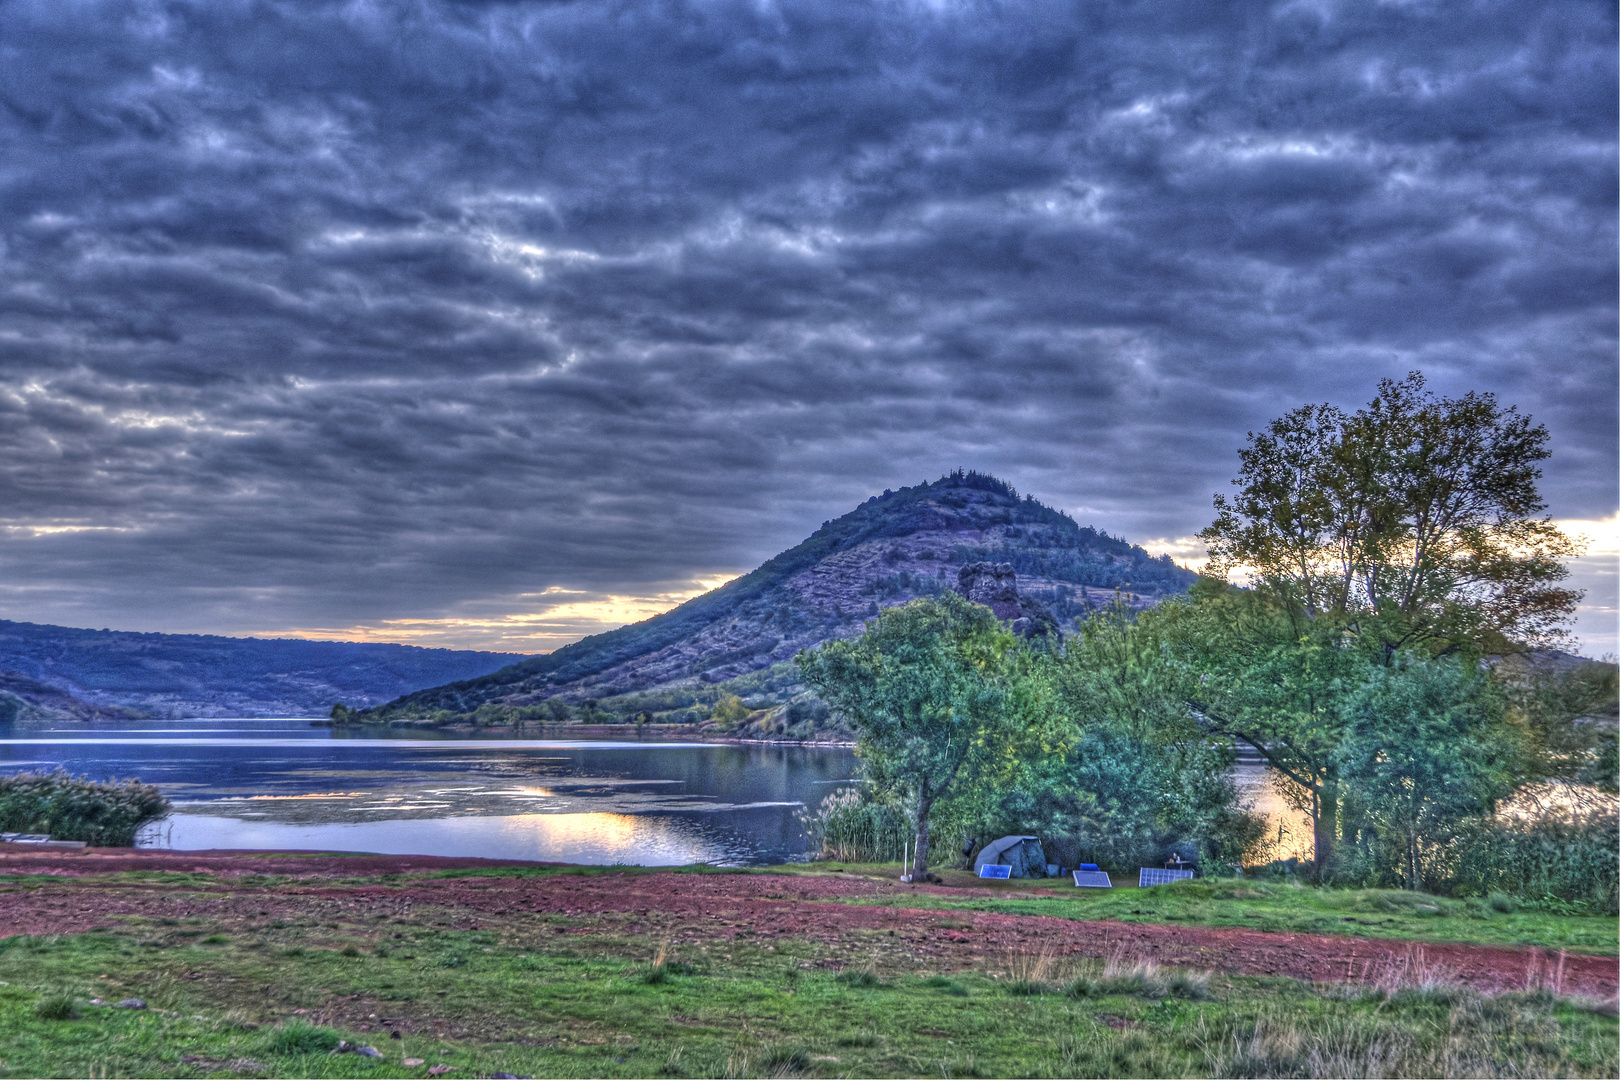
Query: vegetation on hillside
point(112, 674)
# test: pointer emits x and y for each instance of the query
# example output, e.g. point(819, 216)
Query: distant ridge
point(66, 673)
point(740, 637)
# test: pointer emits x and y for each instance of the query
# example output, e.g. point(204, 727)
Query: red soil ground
point(688, 907)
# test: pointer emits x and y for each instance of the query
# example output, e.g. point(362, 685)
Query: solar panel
point(1152, 875)
point(1091, 879)
point(992, 870)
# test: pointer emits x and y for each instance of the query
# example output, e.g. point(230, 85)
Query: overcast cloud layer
point(489, 324)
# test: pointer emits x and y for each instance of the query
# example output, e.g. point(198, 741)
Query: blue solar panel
point(1152, 875)
point(991, 870)
point(1091, 879)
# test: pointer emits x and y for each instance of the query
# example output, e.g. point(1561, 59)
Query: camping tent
point(1022, 853)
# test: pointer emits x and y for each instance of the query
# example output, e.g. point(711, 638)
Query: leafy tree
point(1253, 673)
point(1412, 522)
point(930, 687)
point(1137, 774)
point(730, 710)
point(1428, 749)
point(1566, 708)
point(1410, 525)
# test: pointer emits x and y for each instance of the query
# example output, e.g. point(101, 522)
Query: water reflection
point(591, 838)
point(284, 784)
point(1288, 829)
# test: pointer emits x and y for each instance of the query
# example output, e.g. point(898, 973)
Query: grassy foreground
point(1296, 908)
point(549, 995)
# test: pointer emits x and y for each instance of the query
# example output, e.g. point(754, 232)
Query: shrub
point(57, 1007)
point(301, 1037)
point(1551, 857)
point(106, 814)
point(851, 827)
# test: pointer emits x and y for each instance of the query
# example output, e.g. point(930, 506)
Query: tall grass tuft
point(300, 1037)
point(850, 827)
point(1506, 1035)
point(103, 813)
point(1129, 977)
point(57, 1007)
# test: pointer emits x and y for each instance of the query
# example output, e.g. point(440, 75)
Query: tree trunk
point(919, 866)
point(1325, 824)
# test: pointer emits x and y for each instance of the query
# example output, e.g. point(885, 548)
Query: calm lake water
point(283, 784)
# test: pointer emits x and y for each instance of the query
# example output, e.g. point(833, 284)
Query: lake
point(284, 784)
point(287, 785)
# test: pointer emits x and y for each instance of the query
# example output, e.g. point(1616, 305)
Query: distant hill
point(64, 673)
point(741, 637)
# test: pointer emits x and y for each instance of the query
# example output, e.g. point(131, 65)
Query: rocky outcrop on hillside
point(995, 585)
point(965, 531)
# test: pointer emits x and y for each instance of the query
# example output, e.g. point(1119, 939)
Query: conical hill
point(741, 637)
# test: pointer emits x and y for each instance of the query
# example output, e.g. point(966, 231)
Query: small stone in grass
point(440, 1070)
point(131, 1003)
point(413, 1061)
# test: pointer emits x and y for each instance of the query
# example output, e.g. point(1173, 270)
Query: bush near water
point(103, 813)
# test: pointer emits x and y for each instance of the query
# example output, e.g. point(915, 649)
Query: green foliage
point(1392, 550)
point(298, 1037)
point(1411, 523)
point(1132, 776)
point(1549, 857)
point(106, 814)
point(1425, 752)
point(57, 1007)
point(1567, 708)
point(930, 687)
point(729, 711)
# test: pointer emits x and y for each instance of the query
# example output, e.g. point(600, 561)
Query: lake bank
point(629, 732)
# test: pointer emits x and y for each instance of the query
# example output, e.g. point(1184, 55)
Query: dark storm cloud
point(326, 314)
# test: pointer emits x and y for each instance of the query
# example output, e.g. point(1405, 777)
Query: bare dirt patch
point(713, 909)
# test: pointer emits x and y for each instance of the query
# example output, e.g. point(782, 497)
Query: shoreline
point(624, 732)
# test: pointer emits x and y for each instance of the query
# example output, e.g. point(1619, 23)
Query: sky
point(495, 324)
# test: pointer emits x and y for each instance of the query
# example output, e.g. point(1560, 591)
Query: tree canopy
point(928, 688)
point(1413, 521)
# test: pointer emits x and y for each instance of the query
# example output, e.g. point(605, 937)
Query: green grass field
point(1379, 913)
point(545, 996)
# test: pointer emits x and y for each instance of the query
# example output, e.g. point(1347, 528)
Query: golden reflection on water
point(1288, 830)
